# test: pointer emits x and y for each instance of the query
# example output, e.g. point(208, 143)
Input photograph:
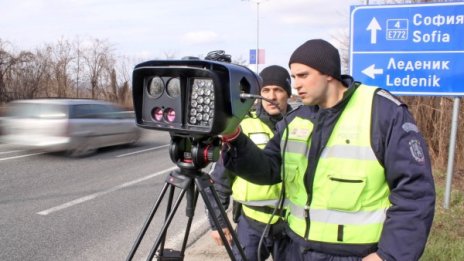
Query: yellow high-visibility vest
point(256, 198)
point(349, 193)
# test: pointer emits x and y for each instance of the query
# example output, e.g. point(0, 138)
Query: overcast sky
point(150, 29)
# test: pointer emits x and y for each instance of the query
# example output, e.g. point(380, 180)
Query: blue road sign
point(415, 49)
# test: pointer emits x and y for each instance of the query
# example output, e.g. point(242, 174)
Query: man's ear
point(329, 78)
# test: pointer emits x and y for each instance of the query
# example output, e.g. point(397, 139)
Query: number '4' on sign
point(397, 29)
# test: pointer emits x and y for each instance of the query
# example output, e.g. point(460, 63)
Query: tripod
point(190, 155)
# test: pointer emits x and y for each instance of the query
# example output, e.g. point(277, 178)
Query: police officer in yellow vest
point(355, 167)
point(257, 201)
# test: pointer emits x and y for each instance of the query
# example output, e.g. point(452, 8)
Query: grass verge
point(446, 240)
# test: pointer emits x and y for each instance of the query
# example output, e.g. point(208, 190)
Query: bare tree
point(64, 69)
point(5, 65)
point(32, 76)
point(16, 74)
point(97, 59)
point(169, 55)
point(124, 67)
point(77, 66)
point(240, 61)
point(62, 58)
point(114, 86)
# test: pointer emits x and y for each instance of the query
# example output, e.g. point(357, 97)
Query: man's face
point(311, 85)
point(277, 94)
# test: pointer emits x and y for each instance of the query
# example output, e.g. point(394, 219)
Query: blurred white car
point(76, 126)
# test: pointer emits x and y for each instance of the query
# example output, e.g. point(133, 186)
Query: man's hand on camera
point(229, 137)
point(217, 238)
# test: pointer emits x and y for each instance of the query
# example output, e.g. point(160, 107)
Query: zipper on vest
point(308, 221)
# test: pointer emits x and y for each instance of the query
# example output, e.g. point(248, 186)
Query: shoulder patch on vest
point(416, 151)
point(389, 96)
point(409, 126)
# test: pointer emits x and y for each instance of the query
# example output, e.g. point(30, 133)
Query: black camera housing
point(175, 113)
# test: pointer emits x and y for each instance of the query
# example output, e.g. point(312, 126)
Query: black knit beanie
point(319, 55)
point(277, 75)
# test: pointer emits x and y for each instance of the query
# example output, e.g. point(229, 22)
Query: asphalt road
point(57, 208)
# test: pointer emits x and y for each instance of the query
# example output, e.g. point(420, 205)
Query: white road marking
point(8, 152)
point(101, 193)
point(21, 156)
point(140, 151)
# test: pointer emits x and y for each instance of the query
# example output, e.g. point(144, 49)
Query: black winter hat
point(320, 55)
point(277, 75)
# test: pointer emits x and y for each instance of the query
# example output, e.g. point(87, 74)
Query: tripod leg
point(185, 183)
point(192, 198)
point(203, 182)
point(168, 210)
point(147, 222)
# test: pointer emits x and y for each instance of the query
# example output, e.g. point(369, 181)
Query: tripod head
point(194, 152)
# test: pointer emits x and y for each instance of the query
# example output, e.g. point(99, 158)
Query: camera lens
point(155, 87)
point(173, 88)
point(170, 115)
point(157, 113)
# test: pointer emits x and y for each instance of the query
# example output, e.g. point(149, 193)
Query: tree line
point(65, 69)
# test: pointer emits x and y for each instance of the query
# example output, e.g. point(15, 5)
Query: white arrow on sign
point(371, 71)
point(373, 26)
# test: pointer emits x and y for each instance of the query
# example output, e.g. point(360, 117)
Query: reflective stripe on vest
point(259, 203)
point(296, 147)
point(251, 194)
point(339, 217)
point(348, 152)
point(349, 193)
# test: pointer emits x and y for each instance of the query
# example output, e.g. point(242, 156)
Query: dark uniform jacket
point(398, 146)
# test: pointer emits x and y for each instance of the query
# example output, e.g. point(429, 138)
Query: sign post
point(415, 49)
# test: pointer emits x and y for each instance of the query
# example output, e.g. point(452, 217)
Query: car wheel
point(134, 138)
point(83, 149)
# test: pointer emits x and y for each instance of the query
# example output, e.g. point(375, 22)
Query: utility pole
point(257, 36)
point(258, 2)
